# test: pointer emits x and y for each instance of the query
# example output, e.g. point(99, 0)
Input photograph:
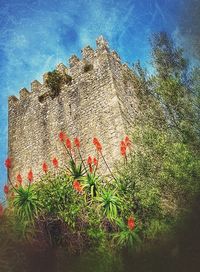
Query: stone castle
point(99, 101)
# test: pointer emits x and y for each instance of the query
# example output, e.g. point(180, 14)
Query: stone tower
point(100, 101)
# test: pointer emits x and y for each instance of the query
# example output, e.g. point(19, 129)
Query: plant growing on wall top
point(54, 82)
point(87, 67)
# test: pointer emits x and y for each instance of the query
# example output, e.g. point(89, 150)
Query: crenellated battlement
point(90, 99)
point(88, 53)
point(36, 86)
point(13, 101)
point(24, 94)
point(76, 69)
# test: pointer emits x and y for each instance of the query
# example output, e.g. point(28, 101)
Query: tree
point(167, 59)
point(170, 85)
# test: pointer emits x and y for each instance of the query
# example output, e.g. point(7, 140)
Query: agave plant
point(110, 202)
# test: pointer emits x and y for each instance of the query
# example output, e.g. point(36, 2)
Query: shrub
point(55, 80)
point(87, 67)
point(161, 178)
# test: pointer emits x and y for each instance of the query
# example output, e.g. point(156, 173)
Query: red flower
point(127, 141)
point(95, 141)
point(97, 144)
point(6, 189)
point(62, 136)
point(90, 168)
point(95, 161)
point(30, 176)
point(1, 209)
point(77, 142)
point(19, 179)
point(55, 162)
point(98, 147)
point(123, 148)
point(68, 143)
point(123, 151)
point(131, 223)
point(89, 160)
point(122, 144)
point(77, 186)
point(45, 167)
point(8, 163)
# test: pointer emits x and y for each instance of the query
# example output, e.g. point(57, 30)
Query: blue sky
point(37, 35)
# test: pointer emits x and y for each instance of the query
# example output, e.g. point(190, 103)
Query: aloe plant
point(110, 202)
point(89, 183)
point(76, 171)
point(126, 236)
point(26, 203)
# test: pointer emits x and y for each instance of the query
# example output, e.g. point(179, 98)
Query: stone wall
point(99, 102)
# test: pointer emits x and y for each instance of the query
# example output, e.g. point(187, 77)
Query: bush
point(161, 177)
point(88, 67)
point(55, 80)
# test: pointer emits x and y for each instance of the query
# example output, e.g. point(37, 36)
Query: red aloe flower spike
point(99, 147)
point(45, 167)
point(89, 160)
point(8, 163)
point(1, 209)
point(62, 136)
point(95, 141)
point(122, 144)
point(127, 141)
point(123, 151)
point(19, 179)
point(131, 223)
point(30, 176)
point(77, 186)
point(95, 161)
point(6, 189)
point(55, 162)
point(90, 168)
point(97, 144)
point(68, 143)
point(77, 142)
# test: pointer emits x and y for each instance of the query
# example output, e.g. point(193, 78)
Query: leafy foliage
point(76, 170)
point(26, 203)
point(110, 202)
point(55, 80)
point(166, 57)
point(88, 67)
point(126, 237)
point(55, 194)
point(90, 184)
